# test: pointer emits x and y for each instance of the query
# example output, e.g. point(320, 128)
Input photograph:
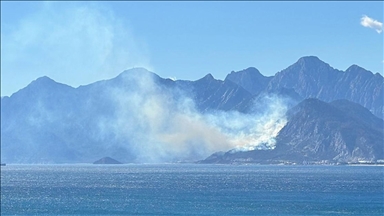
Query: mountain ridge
point(322, 81)
point(63, 124)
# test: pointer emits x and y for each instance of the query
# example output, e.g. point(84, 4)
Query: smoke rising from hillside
point(162, 126)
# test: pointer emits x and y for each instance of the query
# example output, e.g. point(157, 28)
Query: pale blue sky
point(78, 43)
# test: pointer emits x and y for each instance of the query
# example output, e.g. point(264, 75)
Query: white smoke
point(159, 127)
point(254, 131)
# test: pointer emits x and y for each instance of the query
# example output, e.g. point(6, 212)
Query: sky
point(78, 43)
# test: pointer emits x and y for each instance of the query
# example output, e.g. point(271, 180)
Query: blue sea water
point(188, 189)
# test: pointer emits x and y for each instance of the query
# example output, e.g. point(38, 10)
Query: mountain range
point(333, 115)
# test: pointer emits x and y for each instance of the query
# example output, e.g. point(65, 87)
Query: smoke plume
point(159, 124)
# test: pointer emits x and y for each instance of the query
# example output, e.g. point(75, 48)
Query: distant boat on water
point(3, 164)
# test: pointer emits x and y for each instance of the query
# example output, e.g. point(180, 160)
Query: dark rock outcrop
point(107, 160)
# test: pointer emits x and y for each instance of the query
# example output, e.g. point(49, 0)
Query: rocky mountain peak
point(250, 73)
point(136, 72)
point(311, 64)
point(208, 76)
point(355, 69)
point(246, 72)
point(310, 60)
point(43, 81)
point(250, 79)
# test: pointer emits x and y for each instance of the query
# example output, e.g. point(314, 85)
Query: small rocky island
point(107, 160)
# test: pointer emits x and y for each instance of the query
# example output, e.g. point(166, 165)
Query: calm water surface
point(186, 189)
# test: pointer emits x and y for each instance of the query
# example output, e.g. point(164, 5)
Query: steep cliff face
point(312, 78)
point(316, 131)
point(322, 131)
point(309, 77)
point(363, 87)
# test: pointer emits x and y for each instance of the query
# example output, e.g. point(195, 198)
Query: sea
point(191, 189)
